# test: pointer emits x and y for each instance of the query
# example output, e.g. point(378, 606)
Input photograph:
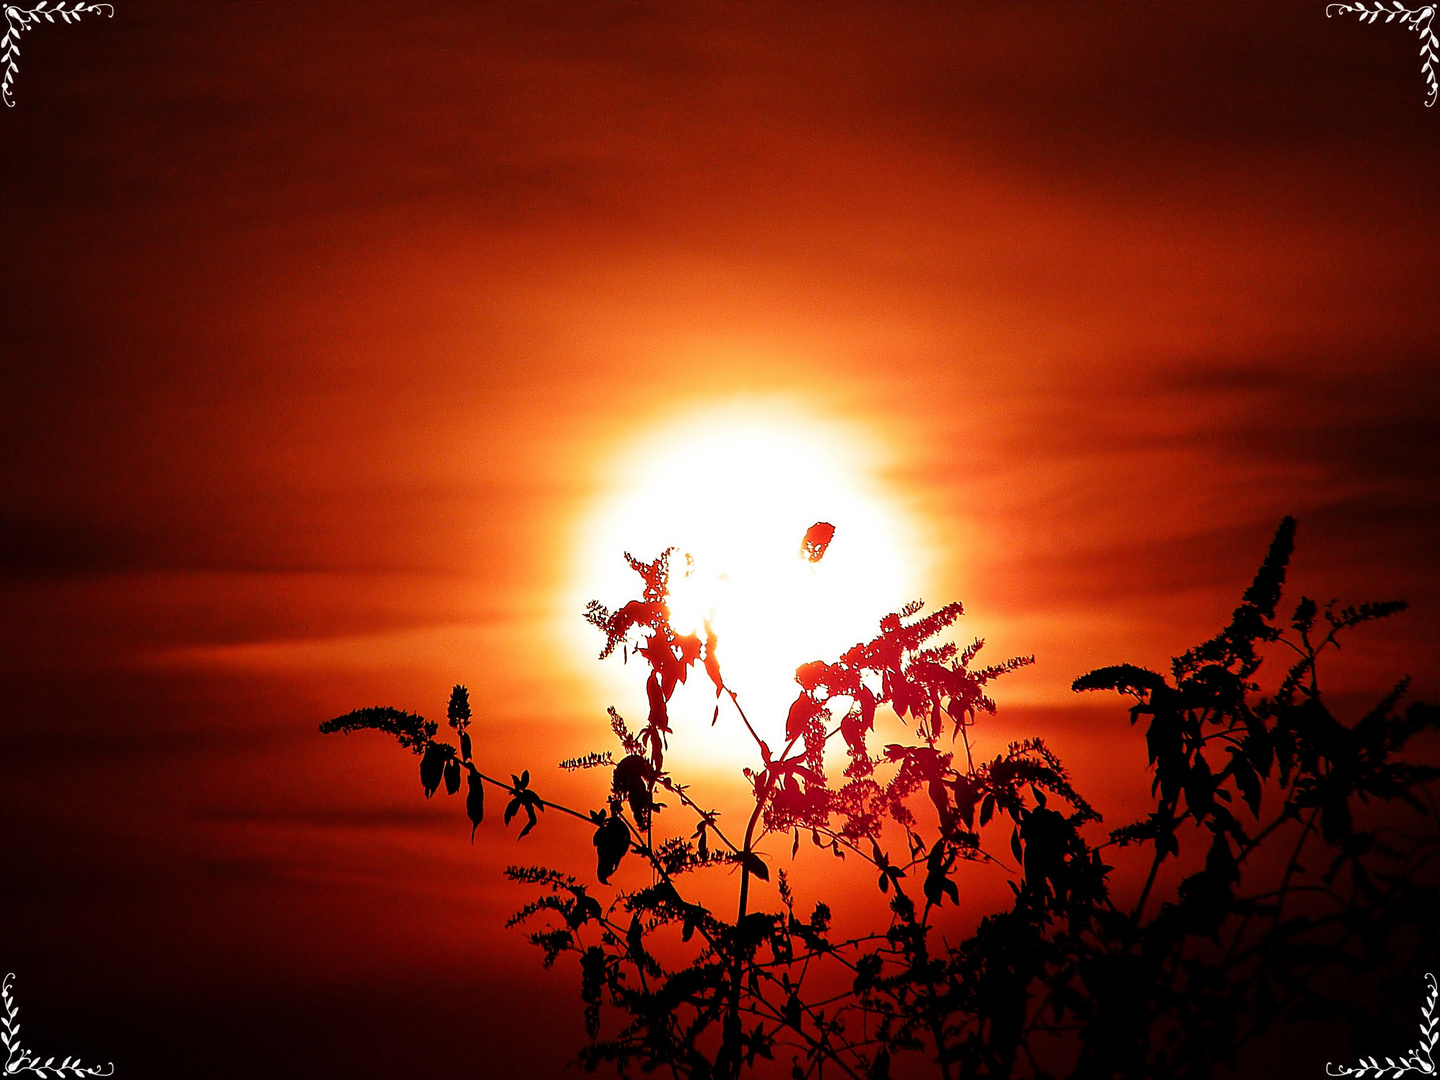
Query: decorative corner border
point(18, 20)
point(1420, 1060)
point(18, 1060)
point(1421, 20)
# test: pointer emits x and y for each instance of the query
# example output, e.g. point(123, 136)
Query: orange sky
point(323, 322)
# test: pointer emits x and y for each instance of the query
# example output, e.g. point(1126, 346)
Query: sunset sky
point(347, 346)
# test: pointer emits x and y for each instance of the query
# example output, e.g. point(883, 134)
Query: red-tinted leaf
point(817, 539)
point(712, 663)
point(802, 710)
point(813, 675)
point(689, 646)
point(659, 714)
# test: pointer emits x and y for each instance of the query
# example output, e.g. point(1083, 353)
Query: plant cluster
point(1066, 980)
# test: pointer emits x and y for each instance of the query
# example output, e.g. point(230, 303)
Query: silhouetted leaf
point(937, 875)
point(474, 800)
point(612, 841)
point(987, 809)
point(1046, 834)
point(432, 767)
point(755, 865)
point(758, 1044)
point(452, 775)
point(1247, 782)
point(792, 1011)
point(1200, 788)
point(635, 940)
point(632, 780)
point(524, 799)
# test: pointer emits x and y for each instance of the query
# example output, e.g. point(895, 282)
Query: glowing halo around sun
point(736, 489)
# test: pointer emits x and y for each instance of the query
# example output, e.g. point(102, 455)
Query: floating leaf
point(817, 539)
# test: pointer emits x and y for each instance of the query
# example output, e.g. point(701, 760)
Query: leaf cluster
point(1258, 794)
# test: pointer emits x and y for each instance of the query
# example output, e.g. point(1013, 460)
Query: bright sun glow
point(736, 490)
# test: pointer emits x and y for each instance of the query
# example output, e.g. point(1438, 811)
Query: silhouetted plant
point(1068, 978)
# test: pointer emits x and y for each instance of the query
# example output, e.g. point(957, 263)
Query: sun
point(734, 491)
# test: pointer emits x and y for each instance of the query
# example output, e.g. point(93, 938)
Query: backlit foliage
point(1071, 978)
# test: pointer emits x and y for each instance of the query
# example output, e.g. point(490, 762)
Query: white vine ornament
point(19, 1061)
point(1420, 19)
point(1421, 1060)
point(18, 20)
